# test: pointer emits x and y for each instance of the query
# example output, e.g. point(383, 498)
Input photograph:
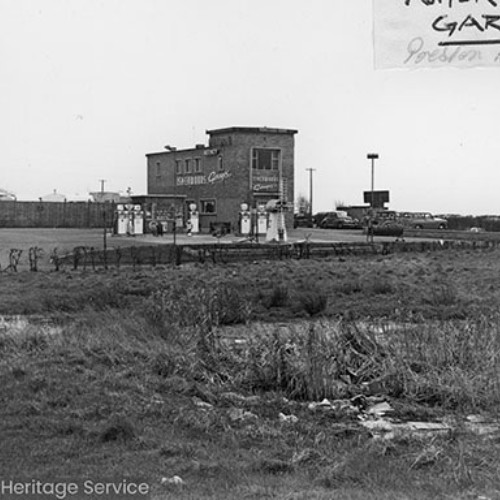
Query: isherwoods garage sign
point(436, 33)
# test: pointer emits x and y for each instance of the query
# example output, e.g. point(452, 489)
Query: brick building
point(249, 165)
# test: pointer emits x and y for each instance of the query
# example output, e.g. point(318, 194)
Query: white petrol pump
point(193, 219)
point(138, 215)
point(245, 220)
point(277, 229)
point(121, 219)
point(129, 219)
point(261, 218)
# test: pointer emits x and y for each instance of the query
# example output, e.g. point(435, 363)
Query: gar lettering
point(449, 3)
point(488, 22)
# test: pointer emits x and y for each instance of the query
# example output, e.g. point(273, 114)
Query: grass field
point(196, 371)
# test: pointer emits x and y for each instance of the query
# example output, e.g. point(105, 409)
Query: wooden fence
point(92, 258)
point(71, 214)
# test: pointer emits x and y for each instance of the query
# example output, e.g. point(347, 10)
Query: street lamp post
point(372, 157)
point(310, 170)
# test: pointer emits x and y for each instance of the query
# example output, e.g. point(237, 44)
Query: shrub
point(279, 296)
point(119, 428)
point(313, 302)
point(382, 287)
point(205, 307)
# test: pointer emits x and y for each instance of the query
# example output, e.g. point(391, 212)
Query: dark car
point(303, 220)
point(388, 228)
point(339, 220)
point(318, 218)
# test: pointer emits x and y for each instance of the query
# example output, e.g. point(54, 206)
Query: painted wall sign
point(436, 33)
point(266, 187)
point(197, 180)
point(265, 183)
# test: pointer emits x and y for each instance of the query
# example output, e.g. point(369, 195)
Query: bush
point(205, 307)
point(279, 296)
point(313, 302)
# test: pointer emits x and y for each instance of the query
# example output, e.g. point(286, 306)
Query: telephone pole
point(310, 170)
point(372, 157)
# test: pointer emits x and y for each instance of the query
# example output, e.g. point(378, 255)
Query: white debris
point(175, 480)
point(386, 429)
point(323, 404)
point(289, 419)
point(239, 415)
point(202, 404)
point(380, 409)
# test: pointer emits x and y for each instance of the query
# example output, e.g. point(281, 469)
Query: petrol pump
point(245, 220)
point(261, 219)
point(129, 219)
point(194, 218)
point(138, 216)
point(277, 229)
point(121, 219)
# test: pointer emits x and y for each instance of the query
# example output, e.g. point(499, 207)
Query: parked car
point(339, 220)
point(422, 220)
point(318, 218)
point(303, 220)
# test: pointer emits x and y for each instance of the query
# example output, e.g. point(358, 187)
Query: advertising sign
point(436, 33)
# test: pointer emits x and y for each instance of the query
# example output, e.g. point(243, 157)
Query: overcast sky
point(88, 87)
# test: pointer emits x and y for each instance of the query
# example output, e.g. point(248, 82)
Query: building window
point(197, 165)
point(265, 159)
point(208, 206)
point(158, 169)
point(188, 166)
point(220, 165)
point(178, 166)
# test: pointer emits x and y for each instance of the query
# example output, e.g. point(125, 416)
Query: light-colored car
point(422, 220)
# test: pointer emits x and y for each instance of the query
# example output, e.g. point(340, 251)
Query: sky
point(89, 87)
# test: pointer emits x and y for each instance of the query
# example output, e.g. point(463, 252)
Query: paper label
point(436, 33)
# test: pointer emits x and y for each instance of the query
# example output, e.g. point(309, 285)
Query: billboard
point(379, 198)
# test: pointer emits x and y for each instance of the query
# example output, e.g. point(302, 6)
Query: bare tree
point(302, 203)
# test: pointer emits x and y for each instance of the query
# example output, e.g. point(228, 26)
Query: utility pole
point(372, 157)
point(104, 242)
point(310, 170)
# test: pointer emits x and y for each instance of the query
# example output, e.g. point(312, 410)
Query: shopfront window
point(208, 206)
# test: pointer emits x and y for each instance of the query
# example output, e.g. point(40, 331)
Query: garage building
point(240, 165)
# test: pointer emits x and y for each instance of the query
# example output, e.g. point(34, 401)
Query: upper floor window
point(197, 165)
point(265, 159)
point(178, 166)
point(158, 169)
point(220, 165)
point(188, 165)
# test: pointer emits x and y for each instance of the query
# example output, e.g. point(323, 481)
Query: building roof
point(54, 196)
point(159, 196)
point(227, 130)
point(254, 130)
point(199, 147)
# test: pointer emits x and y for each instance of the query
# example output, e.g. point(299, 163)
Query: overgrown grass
point(122, 393)
point(178, 377)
